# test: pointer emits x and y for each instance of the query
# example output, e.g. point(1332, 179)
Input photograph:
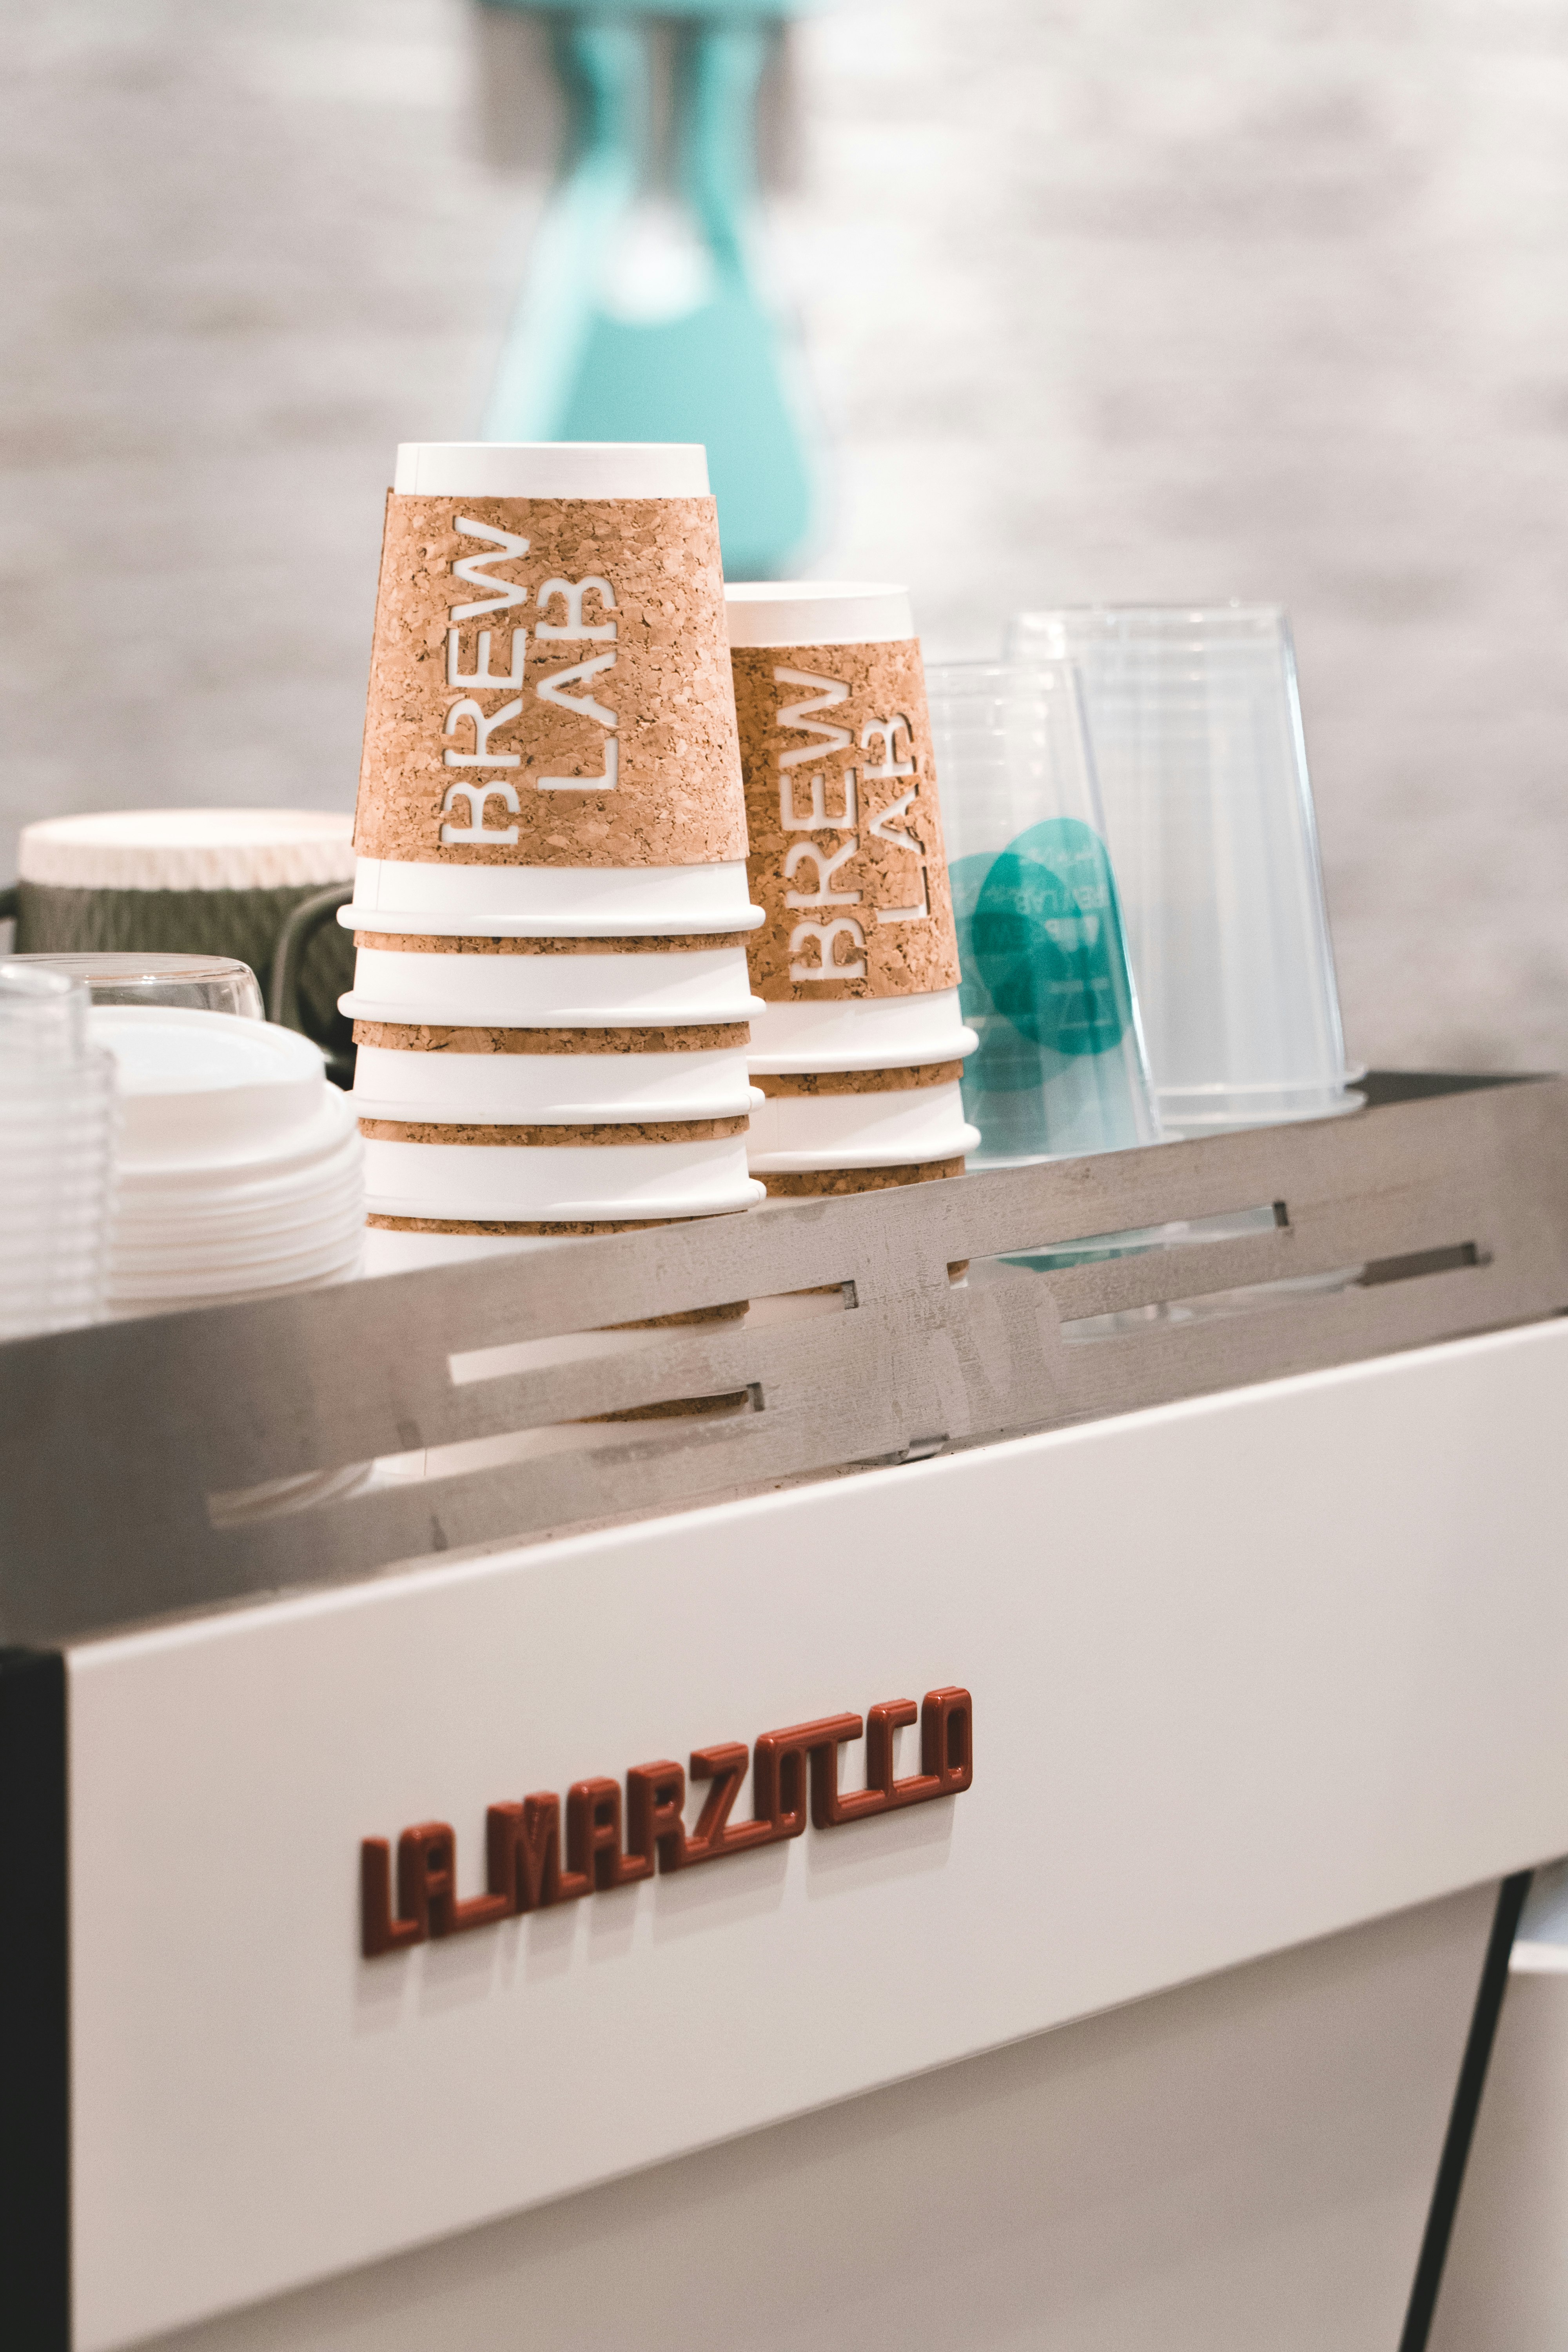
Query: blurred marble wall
point(1127, 298)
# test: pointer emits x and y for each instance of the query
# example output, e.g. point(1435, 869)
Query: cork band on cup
point(425, 1037)
point(656, 943)
point(669, 1130)
point(732, 1313)
point(847, 855)
point(550, 686)
point(490, 1225)
point(678, 1408)
point(814, 1183)
point(858, 1082)
point(585, 1232)
point(685, 1409)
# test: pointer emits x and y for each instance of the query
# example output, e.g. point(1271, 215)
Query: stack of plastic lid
point(1196, 728)
point(239, 1171)
point(57, 1127)
point(550, 997)
point(859, 1048)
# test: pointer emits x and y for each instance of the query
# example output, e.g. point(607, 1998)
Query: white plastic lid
point(817, 612)
point(189, 849)
point(551, 470)
point(196, 1086)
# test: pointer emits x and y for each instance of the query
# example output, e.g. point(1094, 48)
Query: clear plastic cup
point(1046, 984)
point(1197, 738)
point(197, 983)
point(56, 1139)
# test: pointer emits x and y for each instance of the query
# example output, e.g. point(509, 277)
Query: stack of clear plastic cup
point(239, 1169)
point(1047, 987)
point(856, 1054)
point(544, 1048)
point(1196, 728)
point(57, 1136)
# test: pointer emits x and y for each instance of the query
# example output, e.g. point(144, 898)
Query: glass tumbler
point(195, 984)
point(1046, 984)
point(1196, 728)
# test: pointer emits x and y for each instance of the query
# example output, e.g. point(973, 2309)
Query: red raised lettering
point(780, 1764)
point(656, 1806)
point(523, 1843)
point(716, 1834)
point(427, 1884)
point(594, 1835)
point(947, 1738)
point(379, 1931)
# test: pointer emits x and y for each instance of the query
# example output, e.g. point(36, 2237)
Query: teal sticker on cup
point(1045, 940)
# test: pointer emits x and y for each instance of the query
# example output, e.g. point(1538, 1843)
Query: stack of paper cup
point(56, 1125)
point(859, 1048)
point(239, 1166)
point(550, 997)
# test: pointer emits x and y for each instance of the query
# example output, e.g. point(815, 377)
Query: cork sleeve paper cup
point(856, 962)
point(648, 990)
point(884, 1129)
point(873, 1033)
point(550, 673)
point(1196, 728)
point(552, 1089)
point(847, 857)
point(551, 829)
point(564, 1183)
point(550, 901)
point(393, 1249)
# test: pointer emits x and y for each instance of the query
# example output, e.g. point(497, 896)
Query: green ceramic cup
point(260, 885)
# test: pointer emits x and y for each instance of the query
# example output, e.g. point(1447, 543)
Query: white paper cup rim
point(817, 612)
point(551, 470)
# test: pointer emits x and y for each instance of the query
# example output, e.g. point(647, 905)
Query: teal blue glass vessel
point(646, 314)
point(1047, 983)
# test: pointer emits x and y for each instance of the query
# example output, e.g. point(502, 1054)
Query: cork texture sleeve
point(550, 686)
point(847, 854)
point(432, 1038)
